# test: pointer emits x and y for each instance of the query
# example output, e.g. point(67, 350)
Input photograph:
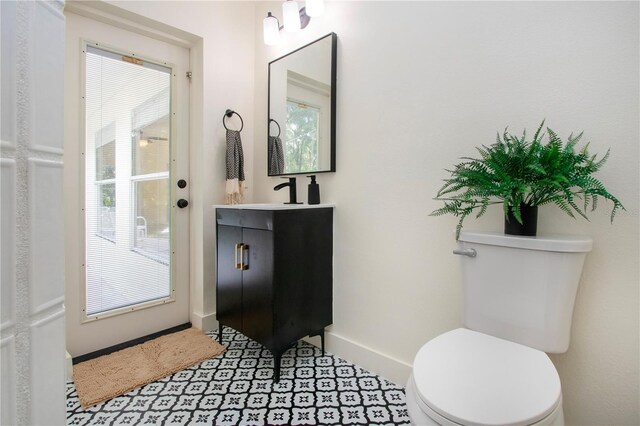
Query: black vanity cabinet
point(275, 274)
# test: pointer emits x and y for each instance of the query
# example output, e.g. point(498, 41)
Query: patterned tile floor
point(237, 389)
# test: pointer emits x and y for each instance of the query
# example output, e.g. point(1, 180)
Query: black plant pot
point(529, 225)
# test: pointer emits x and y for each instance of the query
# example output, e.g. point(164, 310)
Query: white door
point(133, 141)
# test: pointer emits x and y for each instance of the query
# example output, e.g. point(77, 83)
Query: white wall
point(31, 302)
point(420, 84)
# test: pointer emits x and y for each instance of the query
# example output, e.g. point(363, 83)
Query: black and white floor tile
point(237, 388)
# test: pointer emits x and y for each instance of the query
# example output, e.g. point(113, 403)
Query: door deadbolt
point(182, 183)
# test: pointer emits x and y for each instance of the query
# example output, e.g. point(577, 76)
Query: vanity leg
point(277, 357)
point(220, 333)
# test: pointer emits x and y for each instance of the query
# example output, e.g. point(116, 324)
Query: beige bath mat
point(108, 376)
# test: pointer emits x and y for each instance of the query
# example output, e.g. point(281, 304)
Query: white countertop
point(272, 206)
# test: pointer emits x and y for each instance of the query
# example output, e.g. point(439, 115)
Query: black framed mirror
point(302, 110)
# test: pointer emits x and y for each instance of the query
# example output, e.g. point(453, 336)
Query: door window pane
point(127, 185)
point(106, 161)
point(105, 143)
point(151, 147)
point(153, 218)
point(106, 226)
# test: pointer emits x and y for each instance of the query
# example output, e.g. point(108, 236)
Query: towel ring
point(229, 113)
point(270, 120)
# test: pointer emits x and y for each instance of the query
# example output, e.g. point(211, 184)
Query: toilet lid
point(473, 378)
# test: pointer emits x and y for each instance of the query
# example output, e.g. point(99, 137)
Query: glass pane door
point(127, 175)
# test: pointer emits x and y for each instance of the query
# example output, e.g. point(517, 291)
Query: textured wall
point(420, 84)
point(32, 345)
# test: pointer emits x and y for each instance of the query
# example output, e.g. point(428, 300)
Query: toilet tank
point(522, 289)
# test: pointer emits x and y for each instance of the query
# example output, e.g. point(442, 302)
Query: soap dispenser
point(314, 191)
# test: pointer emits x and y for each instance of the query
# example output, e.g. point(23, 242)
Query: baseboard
point(204, 322)
point(128, 344)
point(69, 364)
point(384, 365)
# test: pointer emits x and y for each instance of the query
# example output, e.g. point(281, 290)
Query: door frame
point(85, 42)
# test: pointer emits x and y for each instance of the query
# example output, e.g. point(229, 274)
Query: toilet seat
point(468, 377)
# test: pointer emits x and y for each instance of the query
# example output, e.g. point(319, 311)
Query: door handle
point(182, 203)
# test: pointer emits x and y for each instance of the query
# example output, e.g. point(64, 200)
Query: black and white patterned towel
point(235, 168)
point(276, 156)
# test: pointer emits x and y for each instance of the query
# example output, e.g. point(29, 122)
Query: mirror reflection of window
point(302, 137)
point(307, 123)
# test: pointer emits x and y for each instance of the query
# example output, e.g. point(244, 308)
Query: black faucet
point(293, 198)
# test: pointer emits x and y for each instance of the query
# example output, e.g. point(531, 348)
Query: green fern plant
point(514, 171)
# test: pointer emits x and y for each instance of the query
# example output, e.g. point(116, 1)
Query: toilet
point(519, 294)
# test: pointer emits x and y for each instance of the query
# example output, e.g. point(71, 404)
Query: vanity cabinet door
point(257, 286)
point(245, 281)
point(229, 287)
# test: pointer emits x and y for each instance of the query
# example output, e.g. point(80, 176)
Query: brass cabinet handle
point(240, 265)
point(243, 265)
point(238, 246)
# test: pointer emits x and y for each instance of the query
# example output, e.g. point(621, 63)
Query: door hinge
point(189, 74)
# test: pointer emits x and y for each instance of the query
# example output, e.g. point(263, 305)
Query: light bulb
point(271, 30)
point(291, 16)
point(314, 7)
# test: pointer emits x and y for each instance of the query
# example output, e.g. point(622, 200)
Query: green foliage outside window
point(302, 134)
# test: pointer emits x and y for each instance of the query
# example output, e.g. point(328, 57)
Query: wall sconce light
point(294, 19)
point(291, 16)
point(271, 29)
